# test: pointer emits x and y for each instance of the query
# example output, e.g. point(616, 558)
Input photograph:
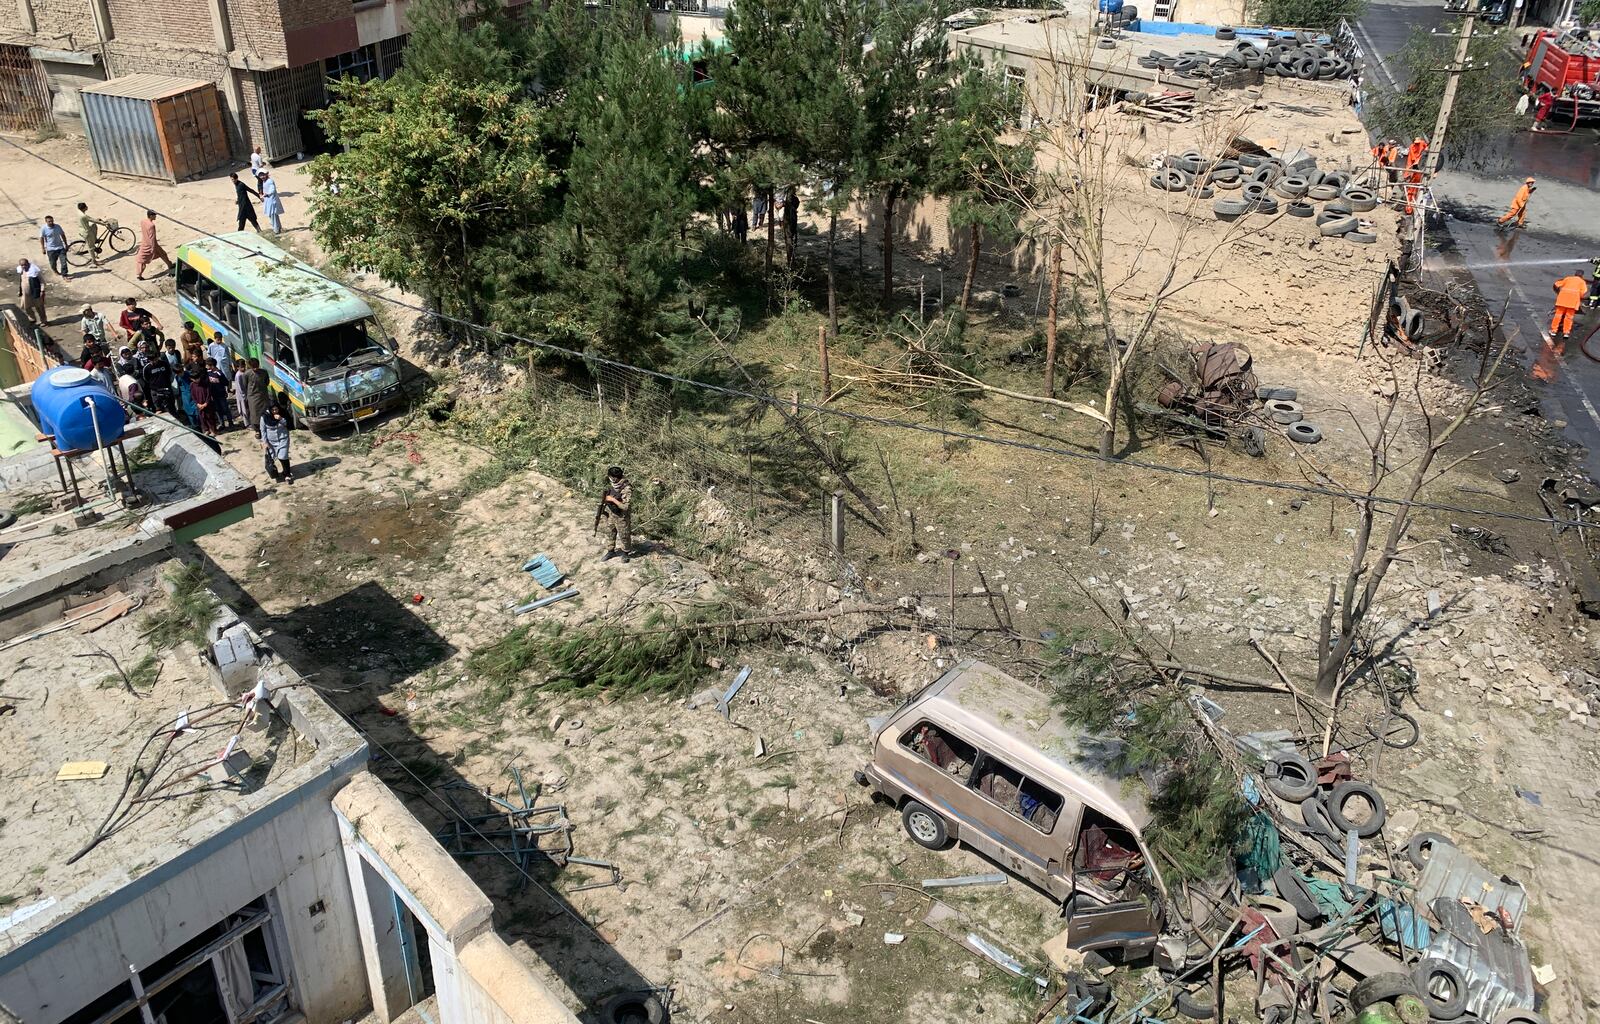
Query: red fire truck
point(1569, 63)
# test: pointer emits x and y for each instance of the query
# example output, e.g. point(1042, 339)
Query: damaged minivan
point(981, 758)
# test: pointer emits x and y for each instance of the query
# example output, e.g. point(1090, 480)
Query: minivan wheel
point(923, 826)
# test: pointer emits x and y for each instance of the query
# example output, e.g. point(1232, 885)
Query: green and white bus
point(318, 341)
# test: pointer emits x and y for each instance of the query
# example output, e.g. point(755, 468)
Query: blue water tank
point(70, 401)
point(1110, 6)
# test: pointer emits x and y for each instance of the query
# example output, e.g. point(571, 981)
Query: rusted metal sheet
point(1456, 876)
point(24, 92)
point(155, 126)
point(1496, 966)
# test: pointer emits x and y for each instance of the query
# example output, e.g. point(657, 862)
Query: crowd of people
point(204, 386)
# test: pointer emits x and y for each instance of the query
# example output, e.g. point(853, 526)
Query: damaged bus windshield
point(330, 349)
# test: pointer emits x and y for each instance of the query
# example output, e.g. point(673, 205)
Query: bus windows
point(188, 280)
point(230, 313)
point(276, 346)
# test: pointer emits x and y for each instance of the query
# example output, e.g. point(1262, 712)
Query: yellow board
point(74, 771)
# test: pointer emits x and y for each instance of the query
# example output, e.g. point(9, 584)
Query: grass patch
point(187, 614)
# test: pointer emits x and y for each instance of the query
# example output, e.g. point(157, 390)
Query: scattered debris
point(992, 878)
point(77, 771)
point(733, 691)
point(1483, 540)
point(552, 599)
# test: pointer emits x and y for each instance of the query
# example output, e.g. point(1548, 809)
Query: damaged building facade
point(270, 60)
point(190, 827)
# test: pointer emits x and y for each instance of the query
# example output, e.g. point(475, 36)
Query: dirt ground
point(757, 884)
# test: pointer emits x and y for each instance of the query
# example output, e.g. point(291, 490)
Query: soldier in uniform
point(617, 504)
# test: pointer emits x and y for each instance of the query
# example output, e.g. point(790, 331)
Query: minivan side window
point(947, 752)
point(1107, 851)
point(1017, 794)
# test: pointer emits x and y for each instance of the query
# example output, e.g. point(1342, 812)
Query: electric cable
point(590, 359)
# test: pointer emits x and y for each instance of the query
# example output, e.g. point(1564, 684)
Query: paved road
point(1562, 232)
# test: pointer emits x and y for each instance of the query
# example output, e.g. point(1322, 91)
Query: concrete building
point(269, 59)
point(191, 833)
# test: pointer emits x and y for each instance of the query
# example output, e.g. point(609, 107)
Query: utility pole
point(1448, 101)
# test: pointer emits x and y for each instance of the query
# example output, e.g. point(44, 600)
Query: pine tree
point(907, 74)
point(630, 189)
point(978, 162)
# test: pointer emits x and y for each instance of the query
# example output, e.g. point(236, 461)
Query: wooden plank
point(77, 771)
point(119, 606)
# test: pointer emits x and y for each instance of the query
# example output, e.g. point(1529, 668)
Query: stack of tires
point(1265, 184)
point(1299, 57)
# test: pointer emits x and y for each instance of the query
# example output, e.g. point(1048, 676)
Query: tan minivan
point(981, 758)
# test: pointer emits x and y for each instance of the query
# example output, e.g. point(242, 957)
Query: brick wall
point(304, 13)
point(67, 24)
point(257, 29)
point(180, 22)
point(129, 57)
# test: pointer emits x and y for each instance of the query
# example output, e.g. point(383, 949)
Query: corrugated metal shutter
point(122, 135)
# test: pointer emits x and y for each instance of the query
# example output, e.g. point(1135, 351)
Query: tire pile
point(1265, 184)
point(1300, 58)
point(1281, 408)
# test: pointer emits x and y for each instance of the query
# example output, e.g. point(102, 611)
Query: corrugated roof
point(147, 87)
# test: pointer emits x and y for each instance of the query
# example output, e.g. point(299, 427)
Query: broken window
point(1107, 852)
point(948, 752)
point(228, 974)
point(1017, 794)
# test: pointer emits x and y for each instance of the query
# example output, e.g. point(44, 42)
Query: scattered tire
point(1266, 204)
point(1225, 33)
point(1338, 226)
point(7, 517)
point(1186, 163)
point(1252, 160)
point(1290, 187)
point(1300, 209)
point(1420, 847)
point(1292, 888)
point(1339, 206)
point(1275, 393)
point(1203, 192)
point(1286, 412)
point(1398, 738)
point(1361, 237)
point(1228, 207)
point(1106, 43)
point(633, 1008)
point(1254, 191)
point(1315, 814)
point(1314, 178)
point(1322, 192)
point(1196, 1005)
point(1519, 1017)
point(1341, 796)
point(1443, 987)
point(1291, 777)
point(1280, 914)
point(1361, 200)
point(925, 828)
point(1254, 442)
point(1303, 433)
point(1380, 988)
point(1230, 184)
point(1130, 12)
point(1221, 173)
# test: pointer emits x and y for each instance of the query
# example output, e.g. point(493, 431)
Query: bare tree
point(1087, 169)
point(1353, 601)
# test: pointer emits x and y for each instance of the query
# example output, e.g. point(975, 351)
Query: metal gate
point(283, 94)
point(24, 92)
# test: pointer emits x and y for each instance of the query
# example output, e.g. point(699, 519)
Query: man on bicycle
point(89, 228)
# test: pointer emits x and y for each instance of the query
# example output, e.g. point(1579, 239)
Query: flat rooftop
point(65, 701)
point(185, 490)
point(1067, 35)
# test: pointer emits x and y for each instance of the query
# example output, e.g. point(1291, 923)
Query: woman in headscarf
point(274, 427)
point(186, 403)
point(199, 388)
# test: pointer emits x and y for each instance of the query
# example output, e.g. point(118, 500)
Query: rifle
point(599, 513)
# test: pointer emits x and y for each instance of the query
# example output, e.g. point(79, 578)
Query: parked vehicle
point(1568, 63)
point(318, 342)
point(981, 758)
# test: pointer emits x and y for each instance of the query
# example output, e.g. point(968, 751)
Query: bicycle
point(119, 239)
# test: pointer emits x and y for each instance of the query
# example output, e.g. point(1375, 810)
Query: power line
point(1312, 490)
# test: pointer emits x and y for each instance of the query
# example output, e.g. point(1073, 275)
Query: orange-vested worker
point(1570, 291)
point(1519, 204)
point(1387, 154)
point(1414, 154)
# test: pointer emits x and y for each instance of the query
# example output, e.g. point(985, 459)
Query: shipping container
point(155, 126)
